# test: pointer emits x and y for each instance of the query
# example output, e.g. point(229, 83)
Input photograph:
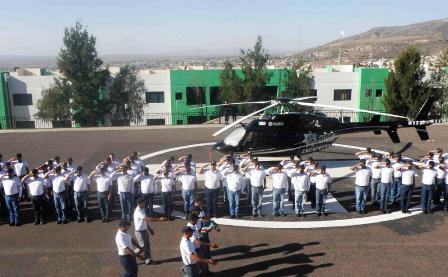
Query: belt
point(59, 192)
point(38, 195)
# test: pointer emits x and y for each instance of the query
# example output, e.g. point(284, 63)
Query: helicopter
point(297, 133)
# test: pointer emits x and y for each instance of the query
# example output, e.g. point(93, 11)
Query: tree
point(406, 90)
point(231, 89)
point(55, 102)
point(439, 83)
point(127, 95)
point(256, 76)
point(298, 80)
point(83, 78)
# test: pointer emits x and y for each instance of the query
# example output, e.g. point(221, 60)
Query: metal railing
point(151, 119)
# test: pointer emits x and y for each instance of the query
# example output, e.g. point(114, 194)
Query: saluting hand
point(213, 245)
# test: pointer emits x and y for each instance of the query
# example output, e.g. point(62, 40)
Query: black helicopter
point(298, 133)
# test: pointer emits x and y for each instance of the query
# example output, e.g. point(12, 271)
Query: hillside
point(384, 42)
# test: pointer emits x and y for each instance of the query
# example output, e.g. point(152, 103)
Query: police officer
point(37, 190)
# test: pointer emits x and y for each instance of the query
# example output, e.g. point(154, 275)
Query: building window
point(26, 124)
point(379, 93)
point(178, 95)
point(195, 95)
point(22, 99)
point(155, 121)
point(313, 92)
point(214, 96)
point(342, 94)
point(155, 97)
point(368, 92)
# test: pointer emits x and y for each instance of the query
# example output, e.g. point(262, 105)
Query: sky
point(153, 27)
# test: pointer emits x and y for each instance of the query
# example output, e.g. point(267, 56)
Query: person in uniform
point(37, 190)
point(279, 185)
point(125, 182)
point(166, 183)
point(212, 184)
point(323, 183)
point(362, 185)
point(407, 185)
point(257, 178)
point(59, 192)
point(188, 180)
point(148, 189)
point(376, 178)
point(104, 191)
point(429, 175)
point(301, 184)
point(387, 173)
point(234, 186)
point(21, 169)
point(126, 255)
point(13, 191)
point(81, 189)
point(190, 259)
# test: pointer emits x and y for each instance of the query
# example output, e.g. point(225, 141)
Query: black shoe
point(284, 215)
point(12, 224)
point(103, 220)
point(59, 221)
point(358, 212)
point(238, 216)
point(276, 215)
point(79, 220)
point(17, 224)
point(425, 212)
point(254, 215)
point(64, 222)
point(86, 220)
point(299, 215)
point(42, 222)
point(36, 222)
point(431, 212)
point(319, 214)
point(383, 212)
point(261, 215)
point(232, 217)
point(325, 214)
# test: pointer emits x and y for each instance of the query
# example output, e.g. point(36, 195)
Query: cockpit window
point(235, 136)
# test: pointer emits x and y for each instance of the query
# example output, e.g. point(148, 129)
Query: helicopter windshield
point(235, 136)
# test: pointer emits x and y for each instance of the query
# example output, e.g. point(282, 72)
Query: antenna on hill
point(341, 34)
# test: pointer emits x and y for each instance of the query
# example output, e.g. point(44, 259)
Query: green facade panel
point(207, 80)
point(372, 88)
point(4, 106)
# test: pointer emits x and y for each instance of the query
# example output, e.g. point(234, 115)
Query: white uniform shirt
point(80, 183)
point(310, 169)
point(196, 233)
point(140, 219)
point(300, 181)
point(226, 169)
point(187, 181)
point(125, 182)
point(256, 177)
point(102, 183)
point(407, 176)
point(35, 186)
point(440, 172)
point(12, 186)
point(123, 241)
point(397, 171)
point(234, 181)
point(20, 168)
point(138, 164)
point(279, 179)
point(57, 182)
point(322, 181)
point(446, 176)
point(363, 177)
point(387, 174)
point(376, 172)
point(147, 183)
point(212, 178)
point(186, 249)
point(429, 176)
point(166, 183)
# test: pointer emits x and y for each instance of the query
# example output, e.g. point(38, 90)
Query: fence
point(151, 119)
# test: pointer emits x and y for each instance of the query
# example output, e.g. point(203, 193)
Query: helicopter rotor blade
point(244, 118)
point(304, 98)
point(229, 104)
point(348, 109)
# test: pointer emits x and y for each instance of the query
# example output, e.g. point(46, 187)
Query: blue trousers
point(129, 264)
point(427, 192)
point(12, 203)
point(321, 198)
point(188, 196)
point(384, 192)
point(395, 190)
point(59, 204)
point(126, 201)
point(212, 200)
point(149, 203)
point(81, 204)
point(234, 202)
point(104, 205)
point(374, 190)
point(406, 196)
point(299, 199)
point(278, 197)
point(361, 197)
point(166, 202)
point(257, 199)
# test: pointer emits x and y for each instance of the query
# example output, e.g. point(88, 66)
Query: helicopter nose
point(220, 146)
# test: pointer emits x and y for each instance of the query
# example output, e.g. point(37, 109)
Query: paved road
point(414, 246)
